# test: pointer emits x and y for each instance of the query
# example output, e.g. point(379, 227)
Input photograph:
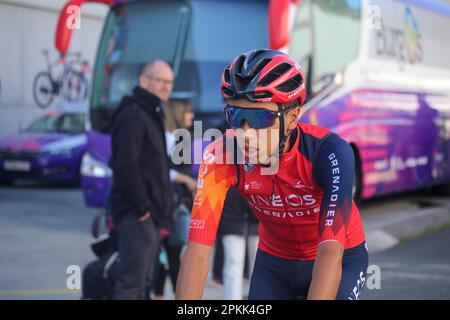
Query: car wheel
point(442, 190)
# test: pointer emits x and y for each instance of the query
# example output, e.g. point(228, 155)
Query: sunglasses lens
point(256, 118)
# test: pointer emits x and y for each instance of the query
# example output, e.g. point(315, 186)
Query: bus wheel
point(442, 190)
point(357, 180)
point(7, 182)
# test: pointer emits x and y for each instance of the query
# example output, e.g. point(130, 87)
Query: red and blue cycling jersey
point(306, 202)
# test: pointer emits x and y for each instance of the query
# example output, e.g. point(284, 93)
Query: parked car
point(49, 149)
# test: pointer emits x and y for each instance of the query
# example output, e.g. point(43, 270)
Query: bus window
point(336, 27)
point(327, 31)
point(133, 35)
point(198, 38)
point(220, 31)
point(301, 40)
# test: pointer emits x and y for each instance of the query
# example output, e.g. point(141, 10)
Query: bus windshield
point(197, 38)
point(325, 38)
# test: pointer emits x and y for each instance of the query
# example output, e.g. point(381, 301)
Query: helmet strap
point(283, 136)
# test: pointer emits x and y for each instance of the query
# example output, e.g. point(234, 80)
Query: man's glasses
point(257, 118)
point(160, 80)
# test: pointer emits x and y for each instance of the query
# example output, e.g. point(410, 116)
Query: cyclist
point(312, 242)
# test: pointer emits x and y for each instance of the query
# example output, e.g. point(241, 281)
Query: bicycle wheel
point(43, 89)
point(74, 86)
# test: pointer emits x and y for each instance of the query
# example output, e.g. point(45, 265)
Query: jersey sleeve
point(334, 171)
point(214, 179)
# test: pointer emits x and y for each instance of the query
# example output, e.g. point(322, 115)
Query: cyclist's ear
point(292, 118)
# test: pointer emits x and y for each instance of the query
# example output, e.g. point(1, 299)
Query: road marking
point(415, 276)
point(422, 266)
point(37, 292)
point(379, 240)
point(437, 266)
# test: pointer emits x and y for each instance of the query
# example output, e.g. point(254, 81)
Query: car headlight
point(91, 167)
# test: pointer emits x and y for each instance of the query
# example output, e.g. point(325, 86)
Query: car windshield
point(59, 122)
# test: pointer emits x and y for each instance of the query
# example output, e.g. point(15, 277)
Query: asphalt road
point(417, 269)
point(46, 229)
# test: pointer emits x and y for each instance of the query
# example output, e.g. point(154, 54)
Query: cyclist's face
point(159, 81)
point(260, 144)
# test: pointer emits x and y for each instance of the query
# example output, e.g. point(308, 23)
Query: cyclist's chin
point(257, 157)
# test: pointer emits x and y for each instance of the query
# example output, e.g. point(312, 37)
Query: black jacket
point(182, 193)
point(237, 217)
point(139, 160)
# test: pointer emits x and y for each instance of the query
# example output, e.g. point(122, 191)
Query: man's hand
point(187, 180)
point(191, 184)
point(163, 233)
point(146, 216)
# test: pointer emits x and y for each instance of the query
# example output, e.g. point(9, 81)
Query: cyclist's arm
point(333, 171)
point(193, 272)
point(213, 183)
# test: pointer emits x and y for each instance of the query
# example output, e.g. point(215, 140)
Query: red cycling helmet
point(264, 76)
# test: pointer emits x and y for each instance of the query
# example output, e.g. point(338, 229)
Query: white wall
point(27, 27)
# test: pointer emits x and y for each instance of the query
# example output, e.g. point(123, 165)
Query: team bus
point(379, 76)
point(377, 73)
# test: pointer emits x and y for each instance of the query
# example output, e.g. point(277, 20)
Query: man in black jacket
point(141, 195)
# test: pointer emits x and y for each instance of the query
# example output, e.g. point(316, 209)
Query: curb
point(387, 229)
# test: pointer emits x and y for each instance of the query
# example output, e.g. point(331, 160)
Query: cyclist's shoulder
point(315, 131)
point(317, 142)
point(217, 169)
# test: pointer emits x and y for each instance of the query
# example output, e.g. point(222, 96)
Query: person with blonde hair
point(179, 115)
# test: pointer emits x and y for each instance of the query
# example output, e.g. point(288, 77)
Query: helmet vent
point(242, 82)
point(259, 95)
point(290, 84)
point(228, 92)
point(274, 74)
point(239, 64)
point(259, 66)
point(227, 75)
point(258, 53)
